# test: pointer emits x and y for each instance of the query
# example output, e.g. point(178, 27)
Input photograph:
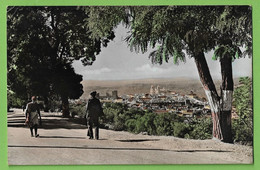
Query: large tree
point(196, 30)
point(42, 43)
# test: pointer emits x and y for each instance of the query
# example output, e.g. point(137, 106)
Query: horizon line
point(162, 78)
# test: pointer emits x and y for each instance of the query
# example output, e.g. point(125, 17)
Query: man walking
point(31, 113)
point(94, 111)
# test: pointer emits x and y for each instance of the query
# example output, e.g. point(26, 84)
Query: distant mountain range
point(179, 85)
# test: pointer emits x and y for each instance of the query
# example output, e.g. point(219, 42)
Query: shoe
point(31, 135)
point(37, 135)
point(90, 137)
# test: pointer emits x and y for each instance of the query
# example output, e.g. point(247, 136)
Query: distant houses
point(161, 100)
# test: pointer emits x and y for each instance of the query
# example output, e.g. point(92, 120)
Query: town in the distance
point(161, 100)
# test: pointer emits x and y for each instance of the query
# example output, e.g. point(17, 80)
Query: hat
point(93, 93)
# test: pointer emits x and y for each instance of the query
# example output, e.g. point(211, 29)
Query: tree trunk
point(227, 88)
point(220, 105)
point(211, 92)
point(65, 107)
point(46, 104)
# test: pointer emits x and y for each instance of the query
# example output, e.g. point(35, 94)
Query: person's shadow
point(53, 122)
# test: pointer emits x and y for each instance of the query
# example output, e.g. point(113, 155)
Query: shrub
point(78, 109)
point(163, 124)
point(149, 123)
point(140, 125)
point(201, 128)
point(242, 128)
point(119, 122)
point(180, 129)
point(242, 133)
point(130, 125)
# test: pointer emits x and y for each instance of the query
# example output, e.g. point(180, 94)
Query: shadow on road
point(17, 121)
point(103, 148)
point(63, 123)
point(85, 147)
point(50, 123)
point(15, 116)
point(138, 140)
point(200, 151)
point(63, 137)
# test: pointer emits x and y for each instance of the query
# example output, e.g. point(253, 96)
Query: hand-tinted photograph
point(129, 85)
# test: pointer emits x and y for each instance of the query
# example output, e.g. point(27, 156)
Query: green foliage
point(42, 44)
point(235, 24)
point(162, 123)
point(107, 17)
point(14, 101)
point(113, 115)
point(242, 133)
point(243, 98)
point(175, 29)
point(227, 51)
point(140, 125)
point(137, 121)
point(181, 129)
point(243, 126)
point(78, 109)
point(66, 82)
point(120, 117)
point(130, 125)
point(202, 128)
point(54, 105)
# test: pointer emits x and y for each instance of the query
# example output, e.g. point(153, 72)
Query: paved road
point(64, 141)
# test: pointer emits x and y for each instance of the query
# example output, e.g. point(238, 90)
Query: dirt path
point(63, 141)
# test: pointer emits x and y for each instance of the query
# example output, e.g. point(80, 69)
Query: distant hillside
point(180, 85)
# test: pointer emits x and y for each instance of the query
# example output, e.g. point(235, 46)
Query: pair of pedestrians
point(93, 111)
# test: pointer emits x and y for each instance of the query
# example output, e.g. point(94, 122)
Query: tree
point(196, 30)
point(43, 41)
point(66, 83)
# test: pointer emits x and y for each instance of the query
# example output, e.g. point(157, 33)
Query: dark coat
point(94, 111)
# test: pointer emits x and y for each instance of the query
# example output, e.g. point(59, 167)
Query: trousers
point(90, 130)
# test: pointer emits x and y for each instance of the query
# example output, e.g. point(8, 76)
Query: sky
point(117, 62)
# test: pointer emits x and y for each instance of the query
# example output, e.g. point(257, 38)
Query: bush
point(201, 128)
point(180, 129)
point(149, 123)
point(140, 125)
point(119, 122)
point(130, 125)
point(242, 128)
point(163, 124)
point(78, 109)
point(242, 133)
point(136, 120)
point(13, 101)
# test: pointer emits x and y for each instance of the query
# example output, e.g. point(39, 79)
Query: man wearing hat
point(94, 111)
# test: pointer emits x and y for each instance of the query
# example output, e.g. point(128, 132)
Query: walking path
point(63, 141)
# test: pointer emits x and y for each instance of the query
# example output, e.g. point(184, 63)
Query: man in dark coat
point(94, 111)
point(32, 112)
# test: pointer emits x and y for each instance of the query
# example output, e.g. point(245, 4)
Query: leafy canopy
point(173, 30)
point(42, 44)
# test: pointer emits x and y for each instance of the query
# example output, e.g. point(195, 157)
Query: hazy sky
point(117, 62)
